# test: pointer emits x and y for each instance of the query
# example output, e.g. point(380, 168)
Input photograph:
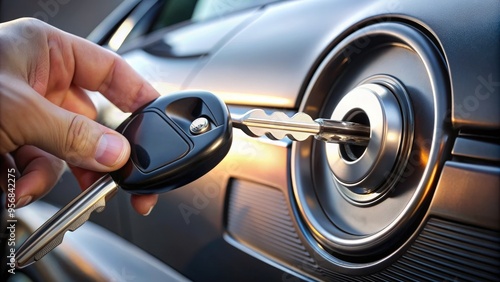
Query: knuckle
point(78, 139)
point(7, 144)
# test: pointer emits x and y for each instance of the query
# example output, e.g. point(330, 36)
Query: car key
point(276, 126)
point(174, 140)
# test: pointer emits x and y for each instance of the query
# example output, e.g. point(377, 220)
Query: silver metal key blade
point(299, 127)
point(69, 218)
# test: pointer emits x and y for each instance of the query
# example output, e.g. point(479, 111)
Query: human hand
point(46, 117)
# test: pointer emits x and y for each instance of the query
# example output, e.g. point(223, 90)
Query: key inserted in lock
point(299, 127)
point(175, 140)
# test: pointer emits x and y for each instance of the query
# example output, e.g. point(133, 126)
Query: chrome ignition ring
point(364, 174)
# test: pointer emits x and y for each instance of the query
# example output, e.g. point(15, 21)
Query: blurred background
point(74, 16)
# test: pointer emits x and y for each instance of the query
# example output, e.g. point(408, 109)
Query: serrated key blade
point(300, 126)
point(277, 125)
point(69, 218)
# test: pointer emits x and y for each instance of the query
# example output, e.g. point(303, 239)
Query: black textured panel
point(449, 251)
point(444, 251)
point(258, 217)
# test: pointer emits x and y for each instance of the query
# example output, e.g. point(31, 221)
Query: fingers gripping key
point(174, 140)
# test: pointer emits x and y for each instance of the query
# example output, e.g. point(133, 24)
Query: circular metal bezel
point(356, 235)
point(359, 179)
point(386, 103)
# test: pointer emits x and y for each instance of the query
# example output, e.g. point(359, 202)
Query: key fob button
point(199, 126)
point(146, 133)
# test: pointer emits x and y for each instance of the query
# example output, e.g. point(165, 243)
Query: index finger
point(98, 69)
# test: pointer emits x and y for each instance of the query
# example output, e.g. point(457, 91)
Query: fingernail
point(110, 149)
point(23, 201)
point(149, 211)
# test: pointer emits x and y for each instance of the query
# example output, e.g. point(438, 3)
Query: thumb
point(81, 141)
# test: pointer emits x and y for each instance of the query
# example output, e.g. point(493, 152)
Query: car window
point(176, 11)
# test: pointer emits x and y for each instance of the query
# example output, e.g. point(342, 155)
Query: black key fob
point(174, 140)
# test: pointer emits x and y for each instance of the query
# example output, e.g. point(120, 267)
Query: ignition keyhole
point(353, 152)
